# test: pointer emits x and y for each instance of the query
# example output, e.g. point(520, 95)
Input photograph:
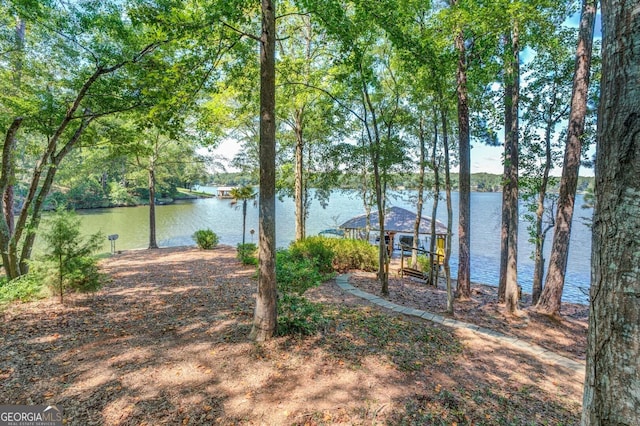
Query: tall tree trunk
point(375, 148)
point(8, 192)
point(383, 256)
point(244, 220)
point(447, 185)
point(420, 201)
point(551, 297)
point(47, 165)
point(612, 382)
point(7, 175)
point(152, 206)
point(541, 234)
point(435, 165)
point(34, 202)
point(463, 289)
point(265, 314)
point(512, 92)
point(366, 197)
point(299, 190)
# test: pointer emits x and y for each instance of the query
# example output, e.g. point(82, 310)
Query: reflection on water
point(176, 224)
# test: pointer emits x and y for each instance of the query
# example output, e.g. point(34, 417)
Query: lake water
point(177, 222)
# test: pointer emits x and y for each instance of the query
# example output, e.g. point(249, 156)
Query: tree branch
point(329, 94)
point(251, 36)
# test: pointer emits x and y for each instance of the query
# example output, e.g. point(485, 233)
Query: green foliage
point(297, 270)
point(297, 315)
point(336, 254)
point(69, 255)
point(25, 288)
point(353, 254)
point(296, 275)
point(317, 250)
point(423, 263)
point(87, 193)
point(248, 253)
point(119, 196)
point(206, 239)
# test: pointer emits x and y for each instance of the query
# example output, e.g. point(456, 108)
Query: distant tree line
point(480, 182)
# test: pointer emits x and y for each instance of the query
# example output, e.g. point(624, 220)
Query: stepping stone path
point(343, 282)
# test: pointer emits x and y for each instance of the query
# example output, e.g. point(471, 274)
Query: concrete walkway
point(538, 351)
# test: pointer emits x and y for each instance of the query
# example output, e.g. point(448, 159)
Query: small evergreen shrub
point(206, 239)
point(248, 253)
point(68, 262)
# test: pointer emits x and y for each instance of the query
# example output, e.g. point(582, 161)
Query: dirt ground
point(165, 342)
point(566, 336)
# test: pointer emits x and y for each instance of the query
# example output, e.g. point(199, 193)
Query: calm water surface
point(176, 224)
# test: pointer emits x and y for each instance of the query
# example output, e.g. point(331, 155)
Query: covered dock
point(398, 220)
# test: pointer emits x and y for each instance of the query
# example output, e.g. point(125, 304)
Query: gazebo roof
point(396, 219)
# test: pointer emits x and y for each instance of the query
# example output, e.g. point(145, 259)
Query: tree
point(508, 288)
point(463, 289)
point(546, 104)
point(58, 106)
point(306, 111)
point(613, 346)
point(71, 252)
point(447, 180)
point(243, 194)
point(371, 95)
point(109, 65)
point(551, 297)
point(155, 153)
point(265, 314)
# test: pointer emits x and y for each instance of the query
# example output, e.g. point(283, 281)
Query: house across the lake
point(225, 191)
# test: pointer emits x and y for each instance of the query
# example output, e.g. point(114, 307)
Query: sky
point(484, 158)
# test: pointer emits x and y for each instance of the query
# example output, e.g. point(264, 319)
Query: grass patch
point(187, 193)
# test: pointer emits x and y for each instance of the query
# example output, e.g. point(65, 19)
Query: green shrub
point(318, 250)
point(297, 315)
point(423, 263)
point(295, 275)
point(25, 288)
point(248, 253)
point(296, 272)
point(353, 254)
point(206, 239)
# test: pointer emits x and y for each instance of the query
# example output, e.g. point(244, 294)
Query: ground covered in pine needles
point(165, 342)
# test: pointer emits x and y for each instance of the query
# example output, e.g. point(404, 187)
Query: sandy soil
point(165, 342)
